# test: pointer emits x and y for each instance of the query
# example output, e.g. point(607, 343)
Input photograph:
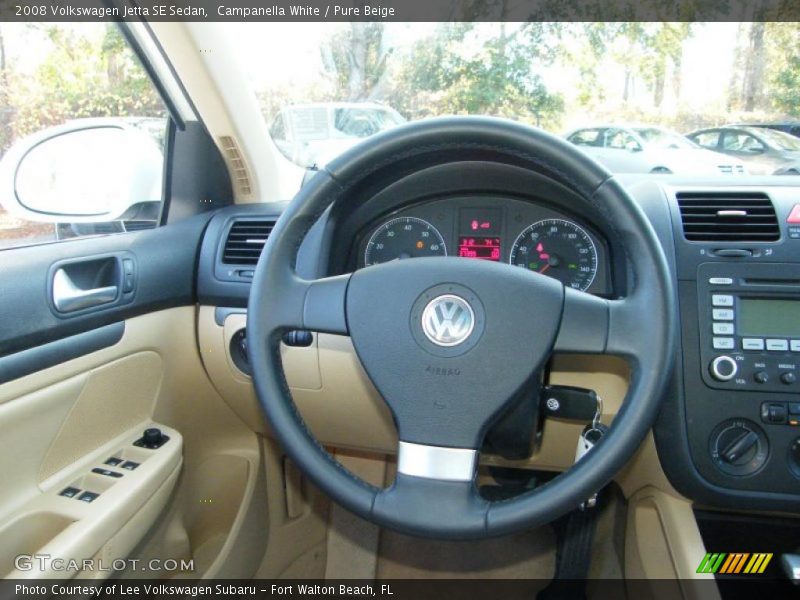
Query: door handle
point(68, 297)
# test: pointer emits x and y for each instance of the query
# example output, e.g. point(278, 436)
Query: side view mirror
point(633, 147)
point(86, 170)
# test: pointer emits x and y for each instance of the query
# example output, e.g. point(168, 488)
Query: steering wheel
point(449, 342)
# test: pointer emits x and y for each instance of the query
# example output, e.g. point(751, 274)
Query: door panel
point(78, 389)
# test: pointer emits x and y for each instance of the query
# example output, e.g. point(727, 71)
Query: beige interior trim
point(663, 542)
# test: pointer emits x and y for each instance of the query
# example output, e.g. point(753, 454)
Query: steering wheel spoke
point(435, 490)
point(318, 305)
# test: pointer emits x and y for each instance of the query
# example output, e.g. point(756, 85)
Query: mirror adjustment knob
point(723, 368)
point(152, 438)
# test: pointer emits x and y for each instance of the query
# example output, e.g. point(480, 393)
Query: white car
point(316, 133)
point(650, 149)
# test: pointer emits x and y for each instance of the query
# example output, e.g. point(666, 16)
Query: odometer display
point(559, 249)
point(403, 237)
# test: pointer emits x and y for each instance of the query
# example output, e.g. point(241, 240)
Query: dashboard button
point(723, 343)
point(773, 413)
point(794, 408)
point(752, 344)
point(777, 345)
point(720, 281)
point(723, 328)
point(722, 300)
point(722, 314)
point(761, 377)
point(788, 378)
point(795, 345)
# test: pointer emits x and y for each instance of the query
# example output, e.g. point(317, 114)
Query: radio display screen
point(768, 318)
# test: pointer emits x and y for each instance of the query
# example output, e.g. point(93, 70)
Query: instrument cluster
point(504, 230)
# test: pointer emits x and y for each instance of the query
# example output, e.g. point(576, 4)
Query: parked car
point(765, 151)
point(313, 134)
point(650, 149)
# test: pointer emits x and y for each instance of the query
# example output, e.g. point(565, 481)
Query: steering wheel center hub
point(448, 320)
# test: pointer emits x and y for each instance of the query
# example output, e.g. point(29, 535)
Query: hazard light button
point(794, 216)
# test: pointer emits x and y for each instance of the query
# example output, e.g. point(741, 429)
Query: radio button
point(723, 343)
point(720, 281)
point(722, 314)
point(723, 328)
point(788, 377)
point(722, 300)
point(777, 345)
point(752, 344)
point(795, 345)
point(723, 368)
point(760, 377)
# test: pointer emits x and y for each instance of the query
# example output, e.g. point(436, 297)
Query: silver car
point(650, 149)
point(765, 151)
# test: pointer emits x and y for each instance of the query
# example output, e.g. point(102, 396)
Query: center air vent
point(728, 217)
point(245, 242)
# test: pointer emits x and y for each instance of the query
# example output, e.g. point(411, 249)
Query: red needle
point(547, 266)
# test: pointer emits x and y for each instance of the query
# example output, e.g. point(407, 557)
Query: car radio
point(749, 317)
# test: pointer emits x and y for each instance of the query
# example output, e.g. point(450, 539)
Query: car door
point(112, 436)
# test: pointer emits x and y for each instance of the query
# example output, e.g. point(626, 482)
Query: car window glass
point(734, 141)
point(707, 139)
point(586, 137)
point(65, 81)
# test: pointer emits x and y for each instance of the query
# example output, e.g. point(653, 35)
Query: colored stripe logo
point(734, 563)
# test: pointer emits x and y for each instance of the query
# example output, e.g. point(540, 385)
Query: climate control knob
point(723, 368)
point(738, 447)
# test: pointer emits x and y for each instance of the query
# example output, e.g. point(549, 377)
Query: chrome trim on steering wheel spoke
point(436, 462)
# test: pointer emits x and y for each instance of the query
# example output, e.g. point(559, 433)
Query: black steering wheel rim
point(640, 327)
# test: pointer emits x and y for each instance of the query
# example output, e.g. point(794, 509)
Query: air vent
point(728, 217)
point(241, 176)
point(245, 241)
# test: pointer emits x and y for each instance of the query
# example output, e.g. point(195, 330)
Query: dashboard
point(728, 433)
point(494, 228)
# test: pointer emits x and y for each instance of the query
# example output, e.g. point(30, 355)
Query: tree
point(786, 80)
point(356, 60)
point(497, 77)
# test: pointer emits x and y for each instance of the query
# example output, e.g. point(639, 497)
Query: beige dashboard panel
point(344, 410)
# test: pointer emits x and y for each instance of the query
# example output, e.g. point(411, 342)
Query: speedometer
point(403, 237)
point(559, 249)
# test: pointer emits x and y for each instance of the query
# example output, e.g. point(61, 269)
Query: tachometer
point(404, 237)
point(558, 248)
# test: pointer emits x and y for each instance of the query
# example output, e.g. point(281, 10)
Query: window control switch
point(69, 492)
point(129, 465)
point(106, 472)
point(113, 461)
point(88, 497)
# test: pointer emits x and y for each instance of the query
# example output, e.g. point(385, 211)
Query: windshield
point(663, 139)
point(781, 140)
point(337, 83)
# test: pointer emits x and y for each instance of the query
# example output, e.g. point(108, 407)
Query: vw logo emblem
point(448, 320)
